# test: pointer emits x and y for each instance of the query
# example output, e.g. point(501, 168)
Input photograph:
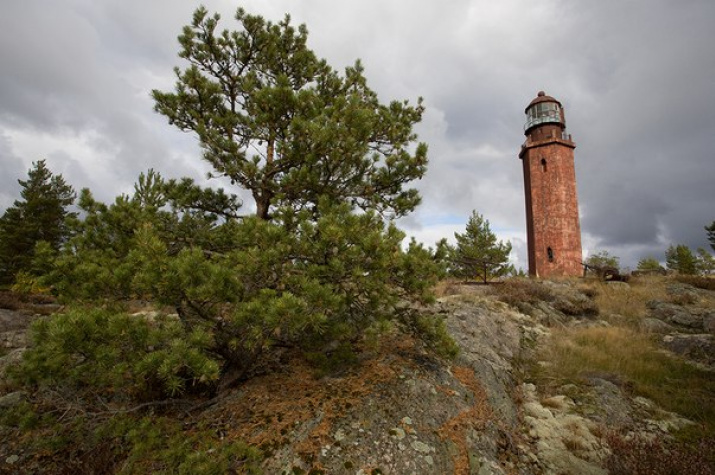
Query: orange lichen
point(478, 415)
point(268, 413)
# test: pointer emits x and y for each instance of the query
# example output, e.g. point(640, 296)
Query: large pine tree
point(39, 216)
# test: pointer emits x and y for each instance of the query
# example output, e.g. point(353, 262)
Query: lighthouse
point(552, 221)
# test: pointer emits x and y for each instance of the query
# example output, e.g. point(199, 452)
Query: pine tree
point(711, 234)
point(313, 147)
point(706, 261)
point(603, 259)
point(682, 259)
point(283, 124)
point(478, 253)
point(40, 216)
point(649, 264)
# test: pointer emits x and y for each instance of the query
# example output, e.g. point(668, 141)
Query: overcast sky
point(636, 77)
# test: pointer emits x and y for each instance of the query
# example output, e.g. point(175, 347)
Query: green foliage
point(159, 445)
point(40, 216)
point(649, 264)
point(711, 234)
point(681, 259)
point(602, 259)
point(24, 416)
point(117, 355)
point(96, 263)
point(27, 284)
point(478, 253)
point(293, 281)
point(330, 280)
point(312, 146)
point(125, 444)
point(284, 125)
point(433, 331)
point(706, 262)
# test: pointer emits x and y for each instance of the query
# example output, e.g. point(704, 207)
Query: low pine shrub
point(117, 356)
point(160, 446)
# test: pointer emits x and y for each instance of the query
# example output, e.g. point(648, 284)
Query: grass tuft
point(629, 300)
point(699, 281)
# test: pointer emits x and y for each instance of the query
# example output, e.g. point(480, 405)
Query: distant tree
point(281, 123)
point(681, 259)
point(478, 253)
point(711, 234)
point(441, 256)
point(649, 264)
point(706, 261)
point(40, 216)
point(603, 259)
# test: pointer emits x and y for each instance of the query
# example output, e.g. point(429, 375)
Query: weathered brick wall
point(551, 204)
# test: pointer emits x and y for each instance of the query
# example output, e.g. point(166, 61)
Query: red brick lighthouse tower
point(552, 222)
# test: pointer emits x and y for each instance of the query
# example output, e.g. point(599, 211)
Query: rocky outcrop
point(406, 412)
point(688, 326)
point(698, 347)
point(563, 440)
point(402, 412)
point(690, 318)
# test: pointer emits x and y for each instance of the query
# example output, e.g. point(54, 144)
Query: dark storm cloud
point(644, 158)
point(635, 77)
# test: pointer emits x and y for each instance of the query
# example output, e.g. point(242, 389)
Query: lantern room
point(544, 110)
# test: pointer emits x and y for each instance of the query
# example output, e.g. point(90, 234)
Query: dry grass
point(629, 300)
point(517, 291)
point(447, 287)
point(701, 282)
point(632, 358)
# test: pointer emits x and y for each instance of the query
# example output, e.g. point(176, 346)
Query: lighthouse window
point(550, 254)
point(543, 164)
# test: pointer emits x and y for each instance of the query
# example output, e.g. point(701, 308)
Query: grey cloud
point(9, 166)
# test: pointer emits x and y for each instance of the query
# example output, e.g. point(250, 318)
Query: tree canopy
point(602, 259)
point(706, 261)
point(681, 259)
point(711, 234)
point(280, 122)
point(252, 284)
point(649, 264)
point(40, 216)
